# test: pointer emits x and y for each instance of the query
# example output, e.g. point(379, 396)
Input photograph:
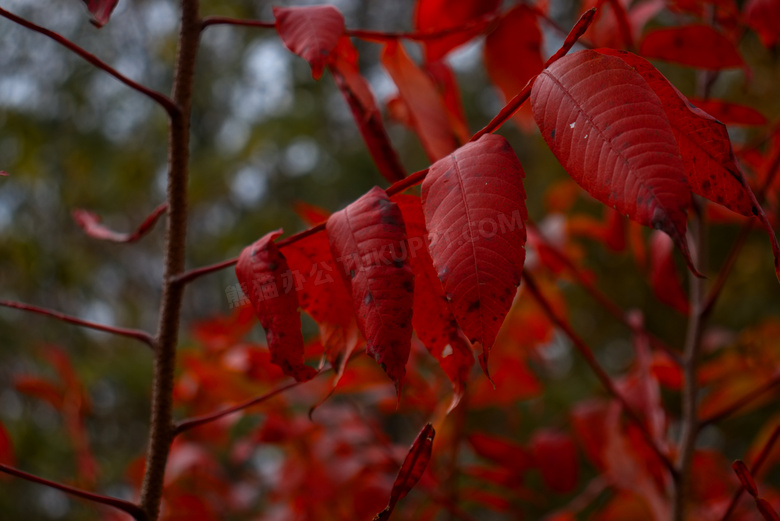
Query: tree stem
point(161, 431)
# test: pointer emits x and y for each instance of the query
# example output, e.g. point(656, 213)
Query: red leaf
point(513, 55)
point(766, 510)
point(6, 447)
point(368, 241)
point(426, 108)
point(763, 16)
point(261, 271)
point(616, 25)
point(693, 45)
point(609, 131)
point(411, 470)
point(101, 11)
point(663, 275)
point(474, 205)
point(745, 477)
point(432, 319)
point(356, 91)
point(501, 451)
point(311, 32)
point(90, 223)
point(731, 113)
point(437, 15)
point(447, 85)
point(41, 389)
point(556, 458)
point(310, 214)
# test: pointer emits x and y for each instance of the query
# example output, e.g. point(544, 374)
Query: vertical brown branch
point(161, 431)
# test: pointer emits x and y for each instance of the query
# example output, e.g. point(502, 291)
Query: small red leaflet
point(263, 273)
point(311, 32)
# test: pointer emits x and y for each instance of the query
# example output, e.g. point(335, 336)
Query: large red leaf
point(437, 15)
point(432, 319)
point(763, 16)
point(474, 205)
point(368, 241)
point(610, 132)
point(693, 45)
point(311, 32)
point(513, 55)
point(101, 10)
point(426, 108)
point(556, 457)
point(261, 271)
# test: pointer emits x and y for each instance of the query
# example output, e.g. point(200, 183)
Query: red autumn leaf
point(411, 470)
point(426, 109)
point(618, 23)
point(432, 319)
point(41, 389)
point(745, 477)
point(368, 241)
point(438, 15)
point(311, 32)
point(310, 214)
point(3, 173)
point(556, 458)
point(766, 510)
point(101, 10)
point(261, 271)
point(474, 205)
point(356, 91)
point(693, 45)
point(447, 85)
point(664, 280)
point(609, 131)
point(501, 451)
point(513, 55)
point(6, 447)
point(730, 113)
point(763, 16)
point(90, 223)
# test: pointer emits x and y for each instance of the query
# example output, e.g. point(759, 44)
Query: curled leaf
point(101, 11)
point(311, 32)
point(90, 223)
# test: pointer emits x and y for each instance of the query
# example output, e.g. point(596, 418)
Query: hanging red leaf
point(432, 319)
point(90, 223)
point(311, 32)
point(474, 205)
point(368, 241)
point(745, 477)
point(730, 113)
point(261, 271)
point(411, 470)
point(693, 45)
point(426, 109)
point(513, 55)
point(356, 91)
point(447, 85)
point(101, 11)
point(556, 458)
point(618, 23)
point(439, 15)
point(663, 276)
point(609, 131)
point(763, 16)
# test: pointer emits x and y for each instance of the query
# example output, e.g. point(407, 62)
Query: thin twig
point(168, 104)
point(129, 508)
point(135, 334)
point(602, 375)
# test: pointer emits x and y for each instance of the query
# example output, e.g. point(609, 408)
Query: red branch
point(136, 334)
point(602, 375)
point(416, 178)
point(158, 97)
point(125, 506)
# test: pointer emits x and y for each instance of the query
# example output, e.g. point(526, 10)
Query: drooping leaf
point(426, 109)
point(432, 319)
point(261, 271)
point(698, 46)
point(745, 477)
point(763, 16)
point(411, 470)
point(438, 15)
point(513, 55)
point(610, 132)
point(664, 280)
point(356, 91)
point(311, 32)
point(101, 11)
point(730, 113)
point(90, 223)
point(444, 78)
point(474, 205)
point(555, 456)
point(619, 23)
point(368, 241)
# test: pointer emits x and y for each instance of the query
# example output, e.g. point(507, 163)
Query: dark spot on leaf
point(352, 274)
point(474, 306)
